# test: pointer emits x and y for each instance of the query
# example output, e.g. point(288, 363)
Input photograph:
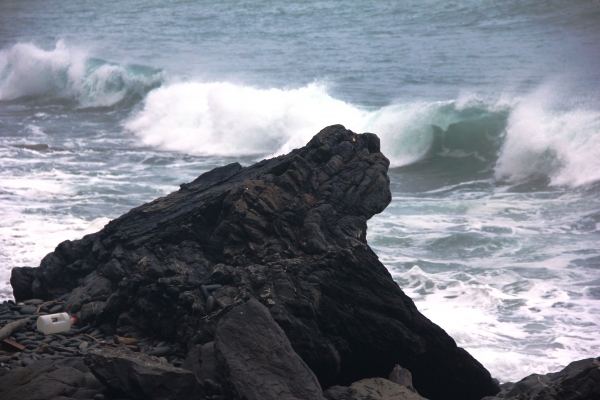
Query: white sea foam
point(495, 270)
point(510, 333)
point(67, 73)
point(25, 238)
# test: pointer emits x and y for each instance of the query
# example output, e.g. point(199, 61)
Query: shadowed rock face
point(257, 362)
point(290, 232)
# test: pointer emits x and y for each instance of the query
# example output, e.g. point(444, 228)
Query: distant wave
point(221, 118)
point(28, 72)
point(519, 137)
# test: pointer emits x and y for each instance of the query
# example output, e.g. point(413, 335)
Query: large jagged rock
point(256, 361)
point(290, 232)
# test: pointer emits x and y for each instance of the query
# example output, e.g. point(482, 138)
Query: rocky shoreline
point(247, 283)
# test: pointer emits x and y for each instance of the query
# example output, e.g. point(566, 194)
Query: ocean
point(488, 111)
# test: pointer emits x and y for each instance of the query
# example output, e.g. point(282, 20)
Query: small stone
point(28, 310)
point(35, 302)
point(160, 351)
point(27, 361)
point(99, 396)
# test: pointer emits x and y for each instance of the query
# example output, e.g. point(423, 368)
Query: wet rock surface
point(289, 232)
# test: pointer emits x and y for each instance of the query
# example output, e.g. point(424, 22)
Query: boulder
point(580, 380)
point(336, 393)
point(255, 360)
point(43, 380)
point(142, 377)
point(380, 389)
point(403, 377)
point(289, 232)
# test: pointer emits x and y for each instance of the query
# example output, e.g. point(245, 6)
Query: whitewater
point(489, 114)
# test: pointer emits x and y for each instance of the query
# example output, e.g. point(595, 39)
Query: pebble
point(27, 361)
point(28, 310)
point(160, 351)
point(33, 302)
point(99, 396)
point(32, 339)
point(210, 303)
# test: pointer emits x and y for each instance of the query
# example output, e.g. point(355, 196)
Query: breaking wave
point(66, 74)
point(520, 138)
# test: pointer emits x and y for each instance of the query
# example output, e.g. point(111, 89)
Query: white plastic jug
point(55, 323)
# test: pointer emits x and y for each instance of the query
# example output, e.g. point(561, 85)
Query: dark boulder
point(44, 380)
point(255, 360)
point(142, 377)
point(290, 232)
point(580, 380)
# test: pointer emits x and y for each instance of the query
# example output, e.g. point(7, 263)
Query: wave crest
point(559, 145)
point(26, 71)
point(221, 118)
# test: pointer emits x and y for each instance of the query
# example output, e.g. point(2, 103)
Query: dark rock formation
point(142, 377)
point(290, 232)
point(380, 389)
point(256, 360)
point(580, 380)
